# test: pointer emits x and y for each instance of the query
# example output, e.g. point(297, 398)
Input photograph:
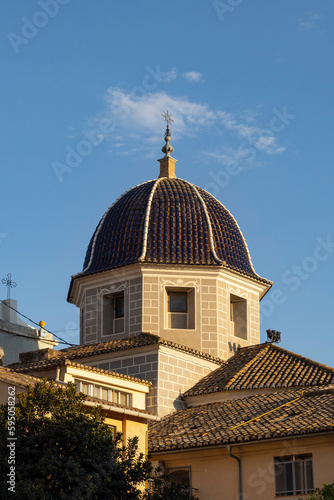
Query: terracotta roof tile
point(263, 366)
point(256, 418)
point(61, 361)
point(20, 379)
point(89, 350)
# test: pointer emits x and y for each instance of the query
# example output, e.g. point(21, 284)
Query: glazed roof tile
point(256, 418)
point(167, 221)
point(263, 366)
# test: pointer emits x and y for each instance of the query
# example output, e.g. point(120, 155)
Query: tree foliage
point(64, 452)
point(324, 493)
point(163, 488)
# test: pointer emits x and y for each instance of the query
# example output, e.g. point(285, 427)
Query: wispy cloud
point(170, 75)
point(144, 114)
point(229, 157)
point(137, 121)
point(193, 76)
point(308, 21)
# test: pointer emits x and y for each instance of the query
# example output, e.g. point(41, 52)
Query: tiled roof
point(88, 350)
point(245, 420)
point(61, 361)
point(22, 380)
point(263, 366)
point(167, 221)
point(10, 376)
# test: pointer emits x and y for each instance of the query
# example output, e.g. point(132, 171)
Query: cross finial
point(9, 283)
point(167, 149)
point(168, 119)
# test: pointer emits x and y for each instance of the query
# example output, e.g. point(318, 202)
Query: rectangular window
point(180, 475)
point(119, 306)
point(293, 475)
point(180, 309)
point(113, 314)
point(178, 302)
point(103, 392)
point(238, 316)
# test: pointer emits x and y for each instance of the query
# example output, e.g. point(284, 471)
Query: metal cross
point(9, 283)
point(167, 117)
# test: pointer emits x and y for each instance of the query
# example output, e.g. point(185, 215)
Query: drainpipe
point(57, 377)
point(239, 470)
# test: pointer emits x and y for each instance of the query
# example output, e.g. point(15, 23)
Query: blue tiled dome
point(167, 221)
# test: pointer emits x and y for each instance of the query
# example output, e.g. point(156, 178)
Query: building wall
point(212, 332)
point(178, 371)
point(146, 288)
point(215, 473)
point(171, 371)
point(141, 363)
point(16, 336)
point(91, 305)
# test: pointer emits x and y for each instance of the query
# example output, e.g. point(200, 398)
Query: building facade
point(168, 295)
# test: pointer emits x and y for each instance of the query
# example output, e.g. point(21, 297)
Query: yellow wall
point(130, 427)
point(4, 391)
point(215, 473)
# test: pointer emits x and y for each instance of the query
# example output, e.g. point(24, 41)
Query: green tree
point(63, 451)
point(163, 488)
point(324, 493)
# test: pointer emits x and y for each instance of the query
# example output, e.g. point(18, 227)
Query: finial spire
point(167, 163)
point(167, 149)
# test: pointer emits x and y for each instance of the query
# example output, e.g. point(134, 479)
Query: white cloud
point(268, 144)
point(193, 76)
point(308, 21)
point(137, 122)
point(127, 111)
point(229, 157)
point(170, 75)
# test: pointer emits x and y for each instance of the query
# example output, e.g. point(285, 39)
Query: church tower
point(167, 258)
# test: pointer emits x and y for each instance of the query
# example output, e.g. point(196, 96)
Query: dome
point(167, 221)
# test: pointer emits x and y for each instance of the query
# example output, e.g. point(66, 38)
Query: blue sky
point(250, 87)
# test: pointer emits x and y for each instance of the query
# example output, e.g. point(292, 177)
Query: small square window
point(180, 309)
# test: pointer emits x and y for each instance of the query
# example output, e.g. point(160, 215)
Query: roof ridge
point(147, 216)
point(143, 339)
point(102, 220)
point(208, 220)
point(242, 235)
point(299, 356)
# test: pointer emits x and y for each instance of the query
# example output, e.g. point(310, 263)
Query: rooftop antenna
point(273, 336)
point(9, 283)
